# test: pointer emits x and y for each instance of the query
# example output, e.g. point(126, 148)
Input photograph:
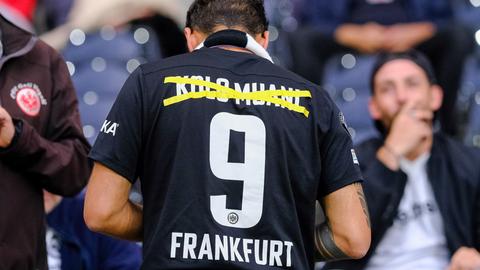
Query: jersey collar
point(235, 38)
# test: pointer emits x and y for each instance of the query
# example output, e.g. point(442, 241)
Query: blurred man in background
point(422, 188)
point(372, 26)
point(41, 143)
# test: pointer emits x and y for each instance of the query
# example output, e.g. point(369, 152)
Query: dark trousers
point(447, 50)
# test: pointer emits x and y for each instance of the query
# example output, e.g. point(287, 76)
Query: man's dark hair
point(205, 15)
point(415, 56)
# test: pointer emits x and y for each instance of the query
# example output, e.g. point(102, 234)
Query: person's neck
point(424, 147)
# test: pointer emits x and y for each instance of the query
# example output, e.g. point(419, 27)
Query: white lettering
point(112, 129)
point(272, 87)
point(181, 88)
point(289, 252)
point(276, 251)
point(255, 89)
point(189, 243)
point(263, 260)
point(234, 249)
point(205, 248)
point(228, 248)
point(247, 250)
point(175, 244)
point(105, 126)
point(223, 82)
point(221, 246)
point(109, 127)
point(246, 89)
point(193, 86)
point(287, 99)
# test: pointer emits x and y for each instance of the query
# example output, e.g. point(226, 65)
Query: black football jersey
point(232, 152)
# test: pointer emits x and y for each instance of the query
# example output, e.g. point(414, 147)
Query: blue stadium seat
point(346, 78)
point(469, 100)
point(100, 63)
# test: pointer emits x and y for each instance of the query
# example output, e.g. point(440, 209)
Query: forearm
point(327, 248)
point(347, 34)
point(346, 232)
point(126, 224)
point(61, 167)
point(417, 32)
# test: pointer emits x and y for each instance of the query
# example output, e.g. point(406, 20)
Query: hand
point(7, 129)
point(465, 259)
point(409, 128)
point(367, 38)
point(402, 37)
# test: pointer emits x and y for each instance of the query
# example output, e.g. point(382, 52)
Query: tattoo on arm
point(363, 201)
point(325, 244)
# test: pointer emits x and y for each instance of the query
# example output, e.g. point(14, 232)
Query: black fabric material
point(227, 37)
point(454, 174)
point(169, 149)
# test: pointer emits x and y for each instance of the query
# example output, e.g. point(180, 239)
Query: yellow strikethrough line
point(229, 93)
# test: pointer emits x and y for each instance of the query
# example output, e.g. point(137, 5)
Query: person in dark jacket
point(72, 246)
point(41, 143)
point(372, 26)
point(422, 187)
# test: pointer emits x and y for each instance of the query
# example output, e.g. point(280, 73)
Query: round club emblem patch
point(232, 218)
point(28, 101)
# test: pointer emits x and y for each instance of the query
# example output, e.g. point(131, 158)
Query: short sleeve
point(340, 166)
point(119, 141)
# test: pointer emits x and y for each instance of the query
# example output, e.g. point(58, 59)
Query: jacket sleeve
point(380, 185)
point(57, 161)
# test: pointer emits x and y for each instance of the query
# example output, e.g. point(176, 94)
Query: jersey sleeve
point(119, 142)
point(339, 166)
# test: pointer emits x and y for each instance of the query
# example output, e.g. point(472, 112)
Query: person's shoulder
point(457, 149)
point(462, 158)
point(367, 150)
point(39, 54)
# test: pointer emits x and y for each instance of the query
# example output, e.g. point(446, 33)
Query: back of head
point(206, 15)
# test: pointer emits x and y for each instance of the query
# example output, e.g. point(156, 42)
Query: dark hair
point(205, 15)
point(415, 56)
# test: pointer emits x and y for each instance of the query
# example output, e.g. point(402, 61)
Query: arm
point(366, 38)
point(108, 209)
point(346, 232)
point(402, 37)
point(465, 258)
point(56, 158)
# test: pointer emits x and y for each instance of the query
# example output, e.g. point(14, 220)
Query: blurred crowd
point(332, 43)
